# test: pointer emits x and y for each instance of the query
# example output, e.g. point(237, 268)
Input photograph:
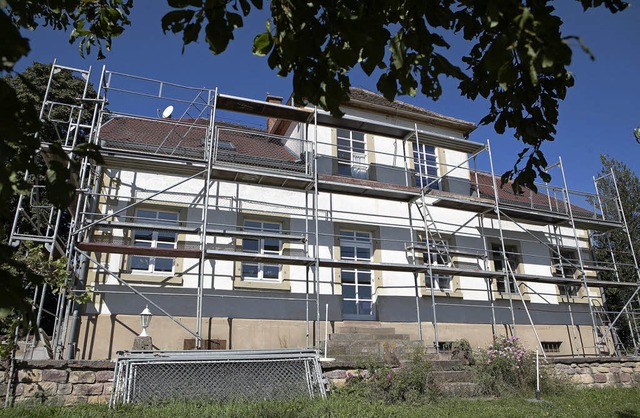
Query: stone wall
point(58, 382)
point(598, 372)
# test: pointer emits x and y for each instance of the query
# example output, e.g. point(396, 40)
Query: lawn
point(576, 403)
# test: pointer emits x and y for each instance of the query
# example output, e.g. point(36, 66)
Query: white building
point(238, 237)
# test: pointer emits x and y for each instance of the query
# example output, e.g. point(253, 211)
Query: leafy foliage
point(506, 367)
point(413, 382)
point(462, 350)
point(34, 267)
point(617, 241)
point(19, 144)
point(518, 57)
point(93, 23)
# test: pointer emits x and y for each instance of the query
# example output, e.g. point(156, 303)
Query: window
point(499, 265)
point(439, 252)
point(565, 266)
point(569, 290)
point(154, 238)
point(263, 243)
point(445, 345)
point(356, 282)
point(352, 157)
point(551, 346)
point(426, 166)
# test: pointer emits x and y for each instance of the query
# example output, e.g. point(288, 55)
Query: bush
point(506, 368)
point(412, 382)
point(461, 350)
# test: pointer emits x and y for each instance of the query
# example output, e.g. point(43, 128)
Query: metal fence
point(218, 375)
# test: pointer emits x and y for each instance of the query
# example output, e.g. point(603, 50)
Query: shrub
point(506, 368)
point(461, 350)
point(412, 382)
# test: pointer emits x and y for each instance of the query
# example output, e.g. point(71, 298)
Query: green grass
point(601, 403)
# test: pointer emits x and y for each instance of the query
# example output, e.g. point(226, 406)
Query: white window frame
point(566, 270)
point(356, 162)
point(425, 161)
point(439, 253)
point(155, 241)
point(261, 244)
point(513, 258)
point(356, 240)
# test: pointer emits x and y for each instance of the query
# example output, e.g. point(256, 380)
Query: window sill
point(152, 278)
point(238, 283)
point(575, 299)
point(514, 296)
point(442, 293)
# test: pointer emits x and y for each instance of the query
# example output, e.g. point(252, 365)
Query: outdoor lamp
point(145, 320)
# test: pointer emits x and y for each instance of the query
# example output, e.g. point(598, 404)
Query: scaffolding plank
point(475, 204)
point(99, 247)
point(296, 260)
point(361, 187)
point(259, 258)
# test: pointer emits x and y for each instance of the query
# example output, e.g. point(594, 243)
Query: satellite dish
point(167, 112)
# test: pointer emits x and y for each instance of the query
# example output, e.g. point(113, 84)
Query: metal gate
point(217, 375)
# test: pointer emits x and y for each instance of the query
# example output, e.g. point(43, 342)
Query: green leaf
point(397, 51)
point(262, 44)
point(234, 20)
point(387, 86)
point(175, 20)
point(246, 7)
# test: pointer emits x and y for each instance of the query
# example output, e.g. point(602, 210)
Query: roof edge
point(441, 120)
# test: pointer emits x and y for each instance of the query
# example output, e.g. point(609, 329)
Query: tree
point(518, 57)
point(20, 269)
point(617, 241)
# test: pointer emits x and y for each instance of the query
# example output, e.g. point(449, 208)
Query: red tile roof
point(186, 138)
point(357, 94)
point(537, 201)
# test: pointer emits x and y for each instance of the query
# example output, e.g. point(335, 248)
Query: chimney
point(271, 122)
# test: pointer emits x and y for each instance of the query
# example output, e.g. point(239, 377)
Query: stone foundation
point(598, 372)
point(58, 382)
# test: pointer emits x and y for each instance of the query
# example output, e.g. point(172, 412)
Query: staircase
point(357, 345)
point(361, 343)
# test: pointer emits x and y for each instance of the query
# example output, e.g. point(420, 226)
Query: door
point(357, 289)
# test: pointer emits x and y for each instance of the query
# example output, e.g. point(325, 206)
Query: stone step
point(460, 389)
point(453, 376)
point(342, 329)
point(443, 365)
point(357, 362)
point(402, 348)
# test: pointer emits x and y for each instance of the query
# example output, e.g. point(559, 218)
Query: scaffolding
point(200, 145)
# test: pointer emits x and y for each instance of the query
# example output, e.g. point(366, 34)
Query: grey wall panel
point(403, 309)
point(220, 303)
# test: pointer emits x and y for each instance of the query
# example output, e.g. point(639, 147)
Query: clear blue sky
point(597, 117)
